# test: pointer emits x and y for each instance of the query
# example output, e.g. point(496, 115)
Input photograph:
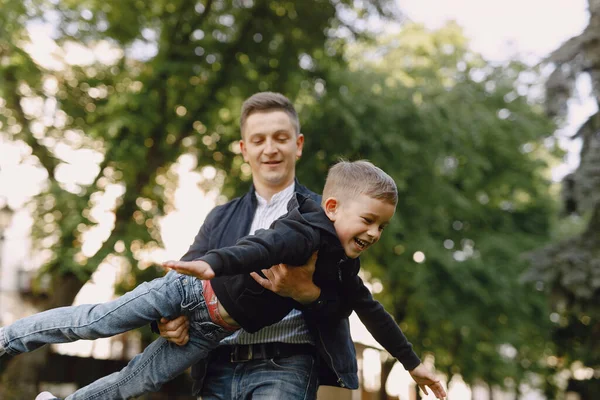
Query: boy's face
point(359, 222)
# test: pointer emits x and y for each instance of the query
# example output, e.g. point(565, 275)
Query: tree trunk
point(490, 392)
point(22, 374)
point(386, 369)
point(417, 392)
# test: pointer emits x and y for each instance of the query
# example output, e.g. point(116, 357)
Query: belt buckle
point(235, 356)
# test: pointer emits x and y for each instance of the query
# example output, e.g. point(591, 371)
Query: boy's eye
point(367, 220)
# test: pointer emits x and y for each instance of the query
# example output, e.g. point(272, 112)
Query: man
point(280, 361)
point(287, 360)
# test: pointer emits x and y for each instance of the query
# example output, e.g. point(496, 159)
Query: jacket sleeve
point(330, 303)
point(290, 240)
point(380, 323)
point(326, 306)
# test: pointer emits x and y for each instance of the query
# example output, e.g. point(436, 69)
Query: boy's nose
point(374, 234)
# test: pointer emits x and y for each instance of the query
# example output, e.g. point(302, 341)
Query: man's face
point(270, 145)
point(359, 222)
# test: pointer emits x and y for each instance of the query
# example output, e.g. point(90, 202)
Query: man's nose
point(270, 146)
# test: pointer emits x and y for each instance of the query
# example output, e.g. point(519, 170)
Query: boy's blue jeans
point(169, 296)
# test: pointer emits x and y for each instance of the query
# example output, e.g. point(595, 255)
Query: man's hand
point(175, 330)
point(198, 268)
point(294, 282)
point(425, 378)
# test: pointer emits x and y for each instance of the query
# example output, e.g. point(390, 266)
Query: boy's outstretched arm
point(423, 377)
point(198, 268)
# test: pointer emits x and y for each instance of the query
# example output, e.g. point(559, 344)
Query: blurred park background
point(119, 132)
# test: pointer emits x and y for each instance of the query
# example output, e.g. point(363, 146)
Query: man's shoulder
point(233, 201)
point(303, 190)
point(230, 205)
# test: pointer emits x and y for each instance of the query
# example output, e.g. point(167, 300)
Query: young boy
point(359, 200)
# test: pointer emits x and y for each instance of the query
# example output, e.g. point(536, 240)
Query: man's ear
point(299, 145)
point(331, 206)
point(243, 149)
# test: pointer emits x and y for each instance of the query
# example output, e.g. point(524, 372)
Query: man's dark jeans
point(289, 378)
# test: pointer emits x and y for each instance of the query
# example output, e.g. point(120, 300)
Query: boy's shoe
point(46, 396)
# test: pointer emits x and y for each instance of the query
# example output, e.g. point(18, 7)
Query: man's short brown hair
point(347, 180)
point(269, 101)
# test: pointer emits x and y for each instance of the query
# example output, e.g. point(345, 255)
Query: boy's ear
point(331, 206)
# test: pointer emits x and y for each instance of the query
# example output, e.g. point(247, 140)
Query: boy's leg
point(166, 296)
point(159, 363)
point(147, 372)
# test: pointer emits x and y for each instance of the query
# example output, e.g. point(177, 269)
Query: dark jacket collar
point(298, 188)
point(312, 212)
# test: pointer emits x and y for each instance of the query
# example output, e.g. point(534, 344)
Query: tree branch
point(13, 100)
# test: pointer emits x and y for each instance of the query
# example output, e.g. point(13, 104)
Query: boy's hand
point(425, 378)
point(199, 269)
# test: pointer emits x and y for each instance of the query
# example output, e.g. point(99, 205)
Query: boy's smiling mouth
point(361, 243)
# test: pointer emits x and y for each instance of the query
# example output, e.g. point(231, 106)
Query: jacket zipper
point(340, 269)
point(339, 379)
point(340, 382)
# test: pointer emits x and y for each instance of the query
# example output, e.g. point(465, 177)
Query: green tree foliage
point(569, 265)
point(465, 146)
point(175, 69)
point(163, 80)
point(469, 154)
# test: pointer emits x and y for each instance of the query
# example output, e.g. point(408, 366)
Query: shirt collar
point(284, 196)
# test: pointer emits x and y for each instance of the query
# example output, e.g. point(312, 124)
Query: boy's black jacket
point(229, 222)
point(291, 240)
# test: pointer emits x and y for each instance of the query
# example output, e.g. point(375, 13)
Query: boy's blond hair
point(269, 101)
point(348, 180)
